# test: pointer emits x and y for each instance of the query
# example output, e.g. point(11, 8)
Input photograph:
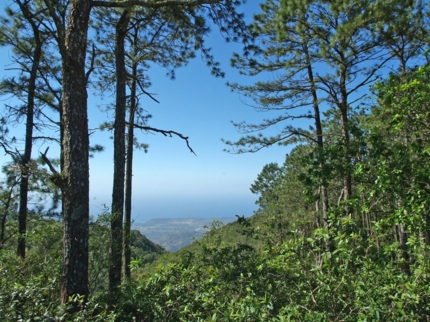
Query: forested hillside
point(342, 230)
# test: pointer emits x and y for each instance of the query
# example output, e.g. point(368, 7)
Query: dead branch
point(165, 133)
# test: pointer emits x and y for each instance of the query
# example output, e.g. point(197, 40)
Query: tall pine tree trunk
point(343, 109)
point(115, 253)
point(26, 158)
point(75, 155)
point(319, 133)
point(129, 175)
point(74, 180)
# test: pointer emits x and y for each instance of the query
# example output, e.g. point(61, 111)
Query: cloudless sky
point(169, 181)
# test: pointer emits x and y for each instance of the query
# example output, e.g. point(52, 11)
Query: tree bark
point(129, 176)
point(75, 149)
point(343, 108)
point(116, 246)
point(25, 159)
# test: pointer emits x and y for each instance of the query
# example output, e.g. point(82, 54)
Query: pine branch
point(165, 133)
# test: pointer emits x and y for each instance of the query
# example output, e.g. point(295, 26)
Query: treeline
point(343, 227)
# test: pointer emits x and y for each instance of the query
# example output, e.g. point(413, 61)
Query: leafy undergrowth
point(298, 280)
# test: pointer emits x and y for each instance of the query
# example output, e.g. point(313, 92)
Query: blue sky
point(169, 181)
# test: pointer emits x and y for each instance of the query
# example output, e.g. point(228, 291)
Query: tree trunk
point(318, 127)
point(404, 247)
point(115, 253)
point(25, 159)
point(343, 107)
point(129, 178)
point(75, 149)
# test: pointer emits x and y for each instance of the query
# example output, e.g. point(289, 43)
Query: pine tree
point(320, 54)
point(293, 57)
point(346, 34)
point(26, 33)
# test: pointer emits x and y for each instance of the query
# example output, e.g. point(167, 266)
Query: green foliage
point(29, 289)
point(143, 249)
point(295, 281)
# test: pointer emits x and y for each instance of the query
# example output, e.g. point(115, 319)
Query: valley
point(175, 233)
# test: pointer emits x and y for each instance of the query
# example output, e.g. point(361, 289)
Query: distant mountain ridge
point(175, 233)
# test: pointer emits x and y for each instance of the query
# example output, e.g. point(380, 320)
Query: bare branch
point(91, 69)
point(165, 133)
point(46, 138)
point(8, 150)
point(145, 92)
